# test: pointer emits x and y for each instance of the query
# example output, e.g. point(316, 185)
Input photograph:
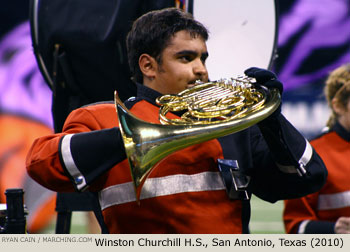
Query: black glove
point(265, 78)
point(268, 79)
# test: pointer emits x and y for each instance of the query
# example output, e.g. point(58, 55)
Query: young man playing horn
point(185, 193)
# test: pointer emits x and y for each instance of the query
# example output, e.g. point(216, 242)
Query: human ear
point(337, 106)
point(147, 65)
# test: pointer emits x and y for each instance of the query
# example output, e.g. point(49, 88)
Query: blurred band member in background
point(328, 210)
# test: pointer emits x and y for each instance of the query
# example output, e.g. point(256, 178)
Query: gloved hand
point(342, 225)
point(267, 79)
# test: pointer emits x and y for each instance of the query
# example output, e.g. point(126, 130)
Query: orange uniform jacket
point(185, 193)
point(317, 212)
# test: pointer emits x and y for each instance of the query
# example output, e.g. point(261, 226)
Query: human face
point(182, 63)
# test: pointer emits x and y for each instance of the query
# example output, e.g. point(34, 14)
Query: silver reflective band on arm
point(70, 164)
point(162, 186)
point(305, 158)
point(302, 226)
point(303, 161)
point(333, 201)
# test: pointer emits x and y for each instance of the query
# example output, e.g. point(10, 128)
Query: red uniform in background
point(324, 207)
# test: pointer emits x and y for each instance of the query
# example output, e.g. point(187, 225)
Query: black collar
point(343, 133)
point(147, 93)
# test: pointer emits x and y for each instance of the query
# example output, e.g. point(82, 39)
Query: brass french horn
point(210, 110)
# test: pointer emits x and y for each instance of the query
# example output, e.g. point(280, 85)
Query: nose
point(200, 70)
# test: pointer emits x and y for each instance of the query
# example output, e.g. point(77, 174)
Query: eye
point(186, 58)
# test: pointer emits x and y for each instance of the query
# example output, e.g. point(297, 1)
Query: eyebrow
point(190, 52)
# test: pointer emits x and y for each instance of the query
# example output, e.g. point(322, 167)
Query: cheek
point(175, 76)
point(348, 114)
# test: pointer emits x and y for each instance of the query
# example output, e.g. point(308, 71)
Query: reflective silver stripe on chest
point(154, 187)
point(333, 201)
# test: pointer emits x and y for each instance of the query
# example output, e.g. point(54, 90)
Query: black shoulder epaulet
point(131, 102)
point(128, 103)
point(97, 103)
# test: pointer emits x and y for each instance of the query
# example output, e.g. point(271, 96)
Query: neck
point(148, 82)
point(344, 122)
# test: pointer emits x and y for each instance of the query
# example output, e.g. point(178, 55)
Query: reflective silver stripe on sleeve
point(302, 226)
point(333, 201)
point(306, 157)
point(70, 164)
point(303, 161)
point(154, 187)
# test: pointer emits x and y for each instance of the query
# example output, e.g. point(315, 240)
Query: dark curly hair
point(152, 32)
